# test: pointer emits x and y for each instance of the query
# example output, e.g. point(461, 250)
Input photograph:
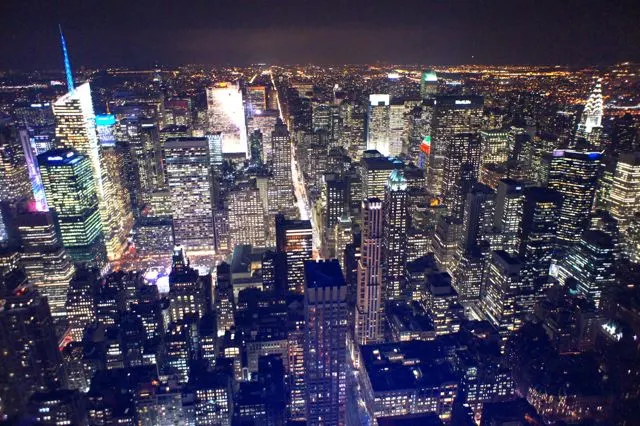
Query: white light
point(163, 285)
point(377, 99)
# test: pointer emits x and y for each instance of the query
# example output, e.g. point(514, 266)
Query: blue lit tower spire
point(67, 64)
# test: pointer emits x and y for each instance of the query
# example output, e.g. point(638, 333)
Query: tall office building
point(624, 195)
point(479, 211)
point(71, 193)
point(445, 242)
point(574, 174)
point(501, 288)
point(14, 182)
point(394, 243)
point(335, 194)
point(295, 239)
point(76, 129)
point(226, 115)
point(45, 260)
point(509, 201)
point(370, 298)
point(378, 122)
point(246, 216)
point(121, 221)
point(428, 84)
point(281, 165)
point(375, 173)
point(495, 146)
point(397, 127)
point(538, 228)
point(190, 185)
point(76, 123)
point(591, 262)
point(452, 115)
point(325, 308)
point(461, 165)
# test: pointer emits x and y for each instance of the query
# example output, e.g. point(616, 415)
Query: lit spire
point(67, 64)
point(593, 109)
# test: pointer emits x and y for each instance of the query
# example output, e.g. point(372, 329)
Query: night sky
point(141, 32)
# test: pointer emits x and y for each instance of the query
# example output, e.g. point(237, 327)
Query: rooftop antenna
point(67, 64)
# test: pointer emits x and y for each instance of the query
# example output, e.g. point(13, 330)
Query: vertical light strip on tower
point(67, 64)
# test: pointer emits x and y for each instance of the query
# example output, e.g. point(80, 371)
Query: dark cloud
point(142, 32)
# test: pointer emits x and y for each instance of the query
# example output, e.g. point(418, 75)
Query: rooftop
point(409, 365)
point(323, 273)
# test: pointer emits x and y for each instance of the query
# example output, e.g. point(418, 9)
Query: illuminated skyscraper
point(540, 215)
point(44, 259)
point(335, 194)
point(378, 123)
point(76, 129)
point(509, 201)
point(394, 243)
point(590, 126)
point(14, 183)
point(246, 216)
point(375, 173)
point(624, 195)
point(592, 263)
point(574, 174)
point(428, 84)
point(295, 239)
point(76, 124)
point(495, 146)
point(452, 115)
point(501, 288)
point(461, 164)
point(226, 115)
point(385, 125)
point(370, 298)
point(325, 308)
point(479, 211)
point(71, 193)
point(190, 185)
point(117, 194)
point(281, 166)
point(397, 127)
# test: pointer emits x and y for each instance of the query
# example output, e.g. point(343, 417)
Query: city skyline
point(344, 245)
